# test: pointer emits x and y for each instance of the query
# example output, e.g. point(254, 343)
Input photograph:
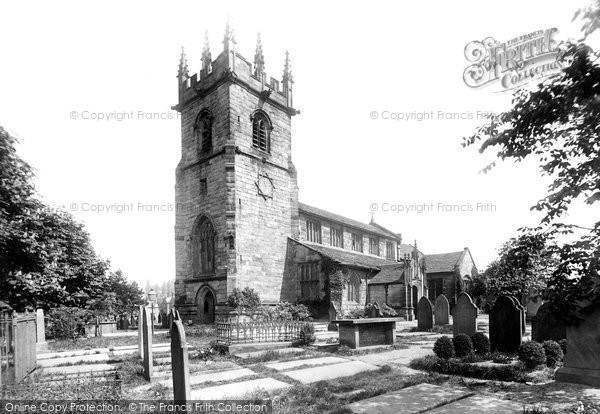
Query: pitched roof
point(346, 257)
point(443, 262)
point(336, 218)
point(389, 274)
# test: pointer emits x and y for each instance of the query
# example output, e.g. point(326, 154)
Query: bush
point(531, 354)
point(454, 367)
point(283, 311)
point(246, 299)
point(67, 322)
point(307, 334)
point(553, 353)
point(387, 311)
point(356, 313)
point(501, 358)
point(481, 343)
point(563, 345)
point(462, 345)
point(443, 347)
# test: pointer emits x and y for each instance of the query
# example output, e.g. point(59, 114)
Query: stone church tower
point(236, 190)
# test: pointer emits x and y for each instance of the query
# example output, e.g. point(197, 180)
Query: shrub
point(443, 347)
point(344, 350)
point(563, 345)
point(67, 322)
point(454, 367)
point(387, 311)
point(553, 352)
point(356, 313)
point(246, 299)
point(481, 343)
point(531, 354)
point(501, 358)
point(307, 334)
point(462, 345)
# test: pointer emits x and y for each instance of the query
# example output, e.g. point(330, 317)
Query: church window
point(261, 132)
point(390, 251)
point(357, 242)
point(374, 245)
point(203, 129)
point(313, 231)
point(353, 289)
point(337, 237)
point(309, 280)
point(204, 247)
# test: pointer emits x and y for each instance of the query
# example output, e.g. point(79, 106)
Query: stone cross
point(147, 336)
point(179, 362)
point(442, 310)
point(506, 320)
point(545, 326)
point(464, 318)
point(424, 314)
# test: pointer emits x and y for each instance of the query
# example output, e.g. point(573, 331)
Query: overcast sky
point(65, 60)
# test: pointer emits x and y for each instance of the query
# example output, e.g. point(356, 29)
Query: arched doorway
point(206, 305)
point(415, 298)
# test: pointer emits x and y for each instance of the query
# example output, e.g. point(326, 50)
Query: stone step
point(76, 352)
point(282, 351)
point(74, 360)
point(78, 369)
point(411, 400)
point(237, 389)
point(328, 372)
point(282, 366)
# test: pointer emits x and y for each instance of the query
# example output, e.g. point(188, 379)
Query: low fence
point(18, 338)
point(253, 332)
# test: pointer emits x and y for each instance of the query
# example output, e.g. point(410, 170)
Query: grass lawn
point(100, 342)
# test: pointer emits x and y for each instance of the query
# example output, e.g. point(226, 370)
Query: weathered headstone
point(545, 326)
point(173, 315)
point(179, 362)
point(40, 327)
point(523, 313)
point(424, 314)
point(442, 310)
point(464, 318)
point(140, 323)
point(505, 325)
point(375, 311)
point(147, 336)
point(582, 360)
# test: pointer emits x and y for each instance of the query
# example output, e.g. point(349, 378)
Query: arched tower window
point(204, 247)
point(261, 132)
point(203, 128)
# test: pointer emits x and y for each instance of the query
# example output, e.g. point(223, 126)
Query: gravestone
point(523, 313)
point(40, 327)
point(179, 363)
point(442, 310)
point(545, 326)
point(140, 332)
point(506, 319)
point(334, 313)
point(465, 316)
point(147, 336)
point(173, 315)
point(375, 311)
point(424, 314)
point(582, 360)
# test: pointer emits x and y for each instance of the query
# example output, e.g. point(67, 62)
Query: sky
point(67, 64)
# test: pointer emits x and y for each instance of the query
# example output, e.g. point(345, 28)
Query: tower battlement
point(231, 66)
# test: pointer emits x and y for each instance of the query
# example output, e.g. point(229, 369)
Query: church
point(239, 222)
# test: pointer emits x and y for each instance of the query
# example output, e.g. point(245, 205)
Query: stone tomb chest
point(358, 333)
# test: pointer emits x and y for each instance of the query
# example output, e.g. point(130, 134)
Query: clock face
point(265, 186)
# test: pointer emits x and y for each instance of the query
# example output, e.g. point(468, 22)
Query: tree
point(524, 263)
point(128, 295)
point(244, 300)
point(558, 123)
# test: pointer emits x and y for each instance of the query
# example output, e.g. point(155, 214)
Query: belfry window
point(204, 247)
point(261, 130)
point(203, 129)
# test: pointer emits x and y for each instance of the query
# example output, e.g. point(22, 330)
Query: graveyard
point(445, 361)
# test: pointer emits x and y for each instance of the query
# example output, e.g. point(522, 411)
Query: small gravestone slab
point(147, 338)
point(180, 364)
point(545, 326)
point(141, 332)
point(506, 319)
point(465, 316)
point(424, 314)
point(442, 310)
point(582, 360)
